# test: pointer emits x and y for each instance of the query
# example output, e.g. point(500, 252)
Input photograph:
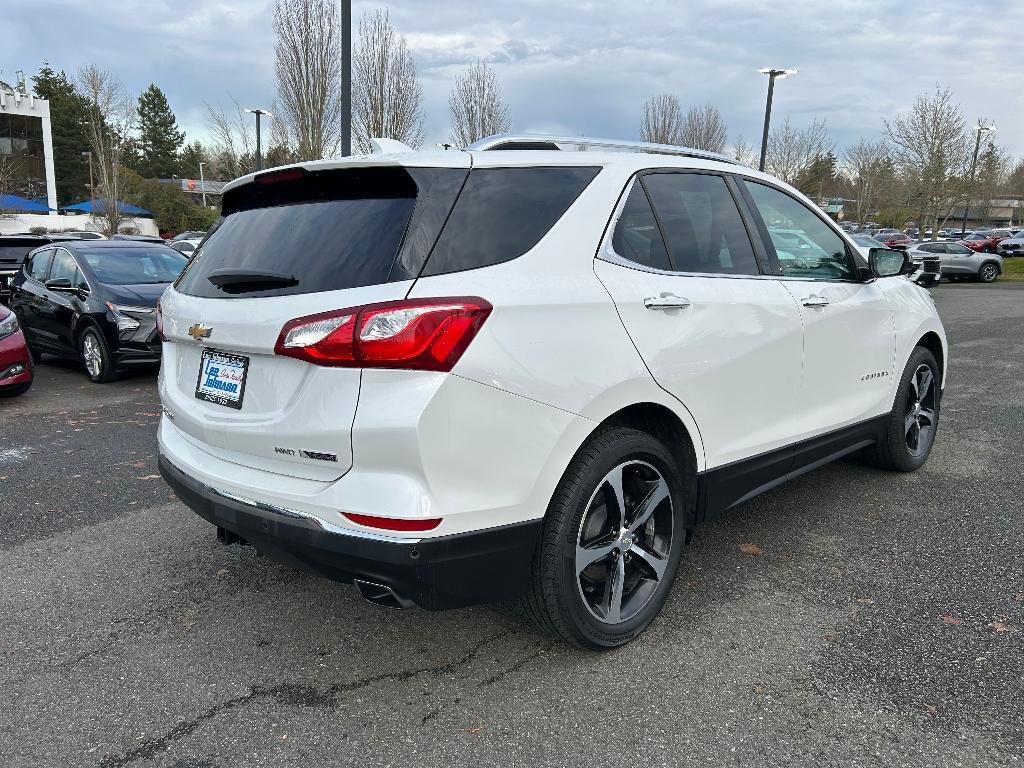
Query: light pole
point(346, 78)
point(92, 192)
point(772, 75)
point(259, 151)
point(979, 129)
point(202, 183)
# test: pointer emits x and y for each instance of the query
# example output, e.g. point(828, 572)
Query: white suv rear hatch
point(295, 246)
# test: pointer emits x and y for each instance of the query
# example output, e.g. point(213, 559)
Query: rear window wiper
point(238, 280)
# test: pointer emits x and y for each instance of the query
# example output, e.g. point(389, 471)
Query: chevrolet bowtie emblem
point(198, 332)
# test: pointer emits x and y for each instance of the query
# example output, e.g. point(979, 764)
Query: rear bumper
point(434, 573)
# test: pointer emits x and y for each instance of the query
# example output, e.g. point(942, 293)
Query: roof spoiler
point(382, 146)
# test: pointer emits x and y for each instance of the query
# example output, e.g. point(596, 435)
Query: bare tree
point(993, 169)
point(663, 120)
point(476, 106)
point(931, 148)
point(233, 148)
point(792, 151)
point(869, 168)
point(111, 114)
point(386, 93)
point(743, 153)
point(308, 70)
point(6, 174)
point(704, 128)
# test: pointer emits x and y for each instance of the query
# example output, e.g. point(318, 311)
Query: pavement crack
point(293, 695)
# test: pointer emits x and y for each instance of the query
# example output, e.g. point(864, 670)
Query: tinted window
point(957, 248)
point(702, 226)
point(13, 254)
point(63, 267)
point(932, 248)
point(804, 245)
point(40, 264)
point(502, 213)
point(637, 236)
point(135, 266)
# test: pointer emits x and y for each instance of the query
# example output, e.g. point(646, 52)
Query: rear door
point(61, 306)
point(849, 333)
point(291, 247)
point(29, 296)
point(713, 332)
point(958, 260)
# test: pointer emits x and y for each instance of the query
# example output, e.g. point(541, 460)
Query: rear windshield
point(15, 254)
point(135, 266)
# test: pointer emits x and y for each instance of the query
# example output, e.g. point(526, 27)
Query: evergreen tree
point(68, 118)
point(159, 138)
point(191, 156)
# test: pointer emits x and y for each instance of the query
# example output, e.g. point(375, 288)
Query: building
point(26, 146)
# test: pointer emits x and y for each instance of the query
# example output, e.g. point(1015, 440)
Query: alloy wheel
point(624, 541)
point(919, 418)
point(988, 273)
point(91, 355)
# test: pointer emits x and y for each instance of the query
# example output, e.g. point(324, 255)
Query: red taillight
point(159, 322)
point(419, 334)
point(288, 174)
point(394, 523)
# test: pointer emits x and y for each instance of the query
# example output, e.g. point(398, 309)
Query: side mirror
point(888, 263)
point(59, 284)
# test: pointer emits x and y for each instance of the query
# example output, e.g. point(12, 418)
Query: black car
point(95, 301)
point(13, 250)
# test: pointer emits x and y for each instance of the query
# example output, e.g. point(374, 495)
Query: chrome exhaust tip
point(379, 594)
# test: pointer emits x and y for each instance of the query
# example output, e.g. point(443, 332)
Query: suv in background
point(13, 250)
point(478, 375)
point(1011, 246)
point(958, 261)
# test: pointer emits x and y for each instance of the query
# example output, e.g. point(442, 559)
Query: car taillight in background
point(417, 334)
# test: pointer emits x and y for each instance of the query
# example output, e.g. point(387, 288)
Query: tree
point(791, 151)
point(386, 93)
point(308, 68)
point(819, 175)
point(191, 156)
point(70, 133)
point(869, 166)
point(159, 139)
point(931, 148)
point(704, 128)
point(173, 209)
point(476, 106)
point(234, 147)
point(743, 153)
point(663, 120)
point(111, 115)
point(990, 176)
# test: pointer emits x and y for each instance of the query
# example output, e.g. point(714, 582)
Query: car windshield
point(135, 266)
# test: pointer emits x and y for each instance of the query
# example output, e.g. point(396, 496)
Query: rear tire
point(988, 272)
point(914, 420)
point(99, 365)
point(611, 543)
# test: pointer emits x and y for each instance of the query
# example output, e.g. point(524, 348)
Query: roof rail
point(552, 142)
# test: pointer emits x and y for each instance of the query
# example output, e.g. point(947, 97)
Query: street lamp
point(773, 74)
point(202, 183)
point(346, 78)
point(259, 152)
point(92, 191)
point(979, 129)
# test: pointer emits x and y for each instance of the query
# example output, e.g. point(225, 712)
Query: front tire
point(611, 543)
point(988, 272)
point(99, 365)
point(914, 420)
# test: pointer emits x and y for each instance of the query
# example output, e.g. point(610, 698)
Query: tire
point(95, 356)
point(988, 272)
point(17, 389)
point(36, 355)
point(914, 420)
point(578, 605)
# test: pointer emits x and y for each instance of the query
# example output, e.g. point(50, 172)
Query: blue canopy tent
point(100, 206)
point(21, 205)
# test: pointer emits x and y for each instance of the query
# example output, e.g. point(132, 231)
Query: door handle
point(815, 301)
point(666, 301)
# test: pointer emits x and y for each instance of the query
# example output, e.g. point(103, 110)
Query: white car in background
point(185, 247)
point(480, 375)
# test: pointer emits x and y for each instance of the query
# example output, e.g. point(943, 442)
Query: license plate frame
point(209, 392)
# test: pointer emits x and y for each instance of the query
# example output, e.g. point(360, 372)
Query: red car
point(986, 242)
point(897, 240)
point(15, 359)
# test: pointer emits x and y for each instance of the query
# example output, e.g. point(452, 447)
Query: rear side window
point(637, 236)
point(702, 225)
point(504, 212)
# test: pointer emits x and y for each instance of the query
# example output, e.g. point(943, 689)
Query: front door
point(849, 331)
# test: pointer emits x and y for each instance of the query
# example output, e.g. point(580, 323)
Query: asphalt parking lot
point(853, 617)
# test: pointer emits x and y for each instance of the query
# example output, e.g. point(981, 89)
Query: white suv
point(522, 372)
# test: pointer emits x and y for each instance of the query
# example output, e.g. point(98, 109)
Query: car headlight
point(128, 318)
point(8, 325)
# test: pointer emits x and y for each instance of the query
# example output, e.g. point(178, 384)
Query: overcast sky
point(578, 67)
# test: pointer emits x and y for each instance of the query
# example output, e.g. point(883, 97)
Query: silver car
point(1012, 246)
point(959, 261)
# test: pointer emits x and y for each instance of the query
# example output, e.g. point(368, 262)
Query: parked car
point(496, 374)
point(186, 247)
point(83, 234)
point(95, 301)
point(15, 359)
point(958, 261)
point(1011, 246)
point(13, 250)
point(982, 242)
point(893, 239)
point(138, 238)
point(191, 234)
